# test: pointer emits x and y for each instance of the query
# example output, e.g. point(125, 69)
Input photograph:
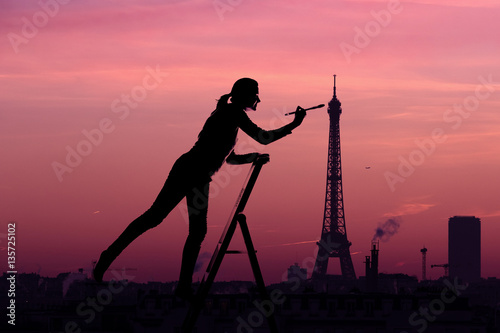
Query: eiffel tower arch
point(333, 242)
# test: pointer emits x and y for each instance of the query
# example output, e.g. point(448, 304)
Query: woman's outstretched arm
point(266, 137)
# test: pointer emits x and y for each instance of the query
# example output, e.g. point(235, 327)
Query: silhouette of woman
point(191, 174)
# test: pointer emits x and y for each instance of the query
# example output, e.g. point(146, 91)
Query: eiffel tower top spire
point(334, 108)
point(335, 85)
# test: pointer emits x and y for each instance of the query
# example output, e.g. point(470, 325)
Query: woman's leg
point(197, 203)
point(170, 195)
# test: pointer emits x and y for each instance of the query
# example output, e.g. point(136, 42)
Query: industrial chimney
point(424, 263)
point(371, 267)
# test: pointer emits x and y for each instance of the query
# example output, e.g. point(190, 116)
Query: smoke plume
point(386, 230)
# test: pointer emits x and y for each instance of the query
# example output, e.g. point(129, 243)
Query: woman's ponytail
point(223, 101)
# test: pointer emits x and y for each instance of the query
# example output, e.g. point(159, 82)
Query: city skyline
point(98, 102)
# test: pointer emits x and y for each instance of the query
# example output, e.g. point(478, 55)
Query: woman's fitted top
point(218, 136)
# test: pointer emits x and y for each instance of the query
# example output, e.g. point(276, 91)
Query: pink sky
point(400, 85)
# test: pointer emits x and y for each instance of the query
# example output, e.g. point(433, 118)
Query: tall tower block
point(333, 241)
point(464, 248)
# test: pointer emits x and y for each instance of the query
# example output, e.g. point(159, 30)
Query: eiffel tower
point(333, 242)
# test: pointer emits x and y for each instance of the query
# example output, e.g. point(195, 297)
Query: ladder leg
point(259, 280)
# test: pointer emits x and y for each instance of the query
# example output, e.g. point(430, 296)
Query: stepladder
point(236, 218)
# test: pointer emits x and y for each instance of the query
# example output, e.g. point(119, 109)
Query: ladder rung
point(237, 252)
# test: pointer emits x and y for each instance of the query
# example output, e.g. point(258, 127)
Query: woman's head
point(245, 93)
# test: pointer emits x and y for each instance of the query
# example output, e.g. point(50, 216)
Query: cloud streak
point(410, 209)
point(294, 243)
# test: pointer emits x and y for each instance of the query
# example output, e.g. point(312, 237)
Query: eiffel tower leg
point(256, 271)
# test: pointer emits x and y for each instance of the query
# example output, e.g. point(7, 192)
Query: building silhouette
point(464, 248)
point(400, 304)
point(296, 272)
